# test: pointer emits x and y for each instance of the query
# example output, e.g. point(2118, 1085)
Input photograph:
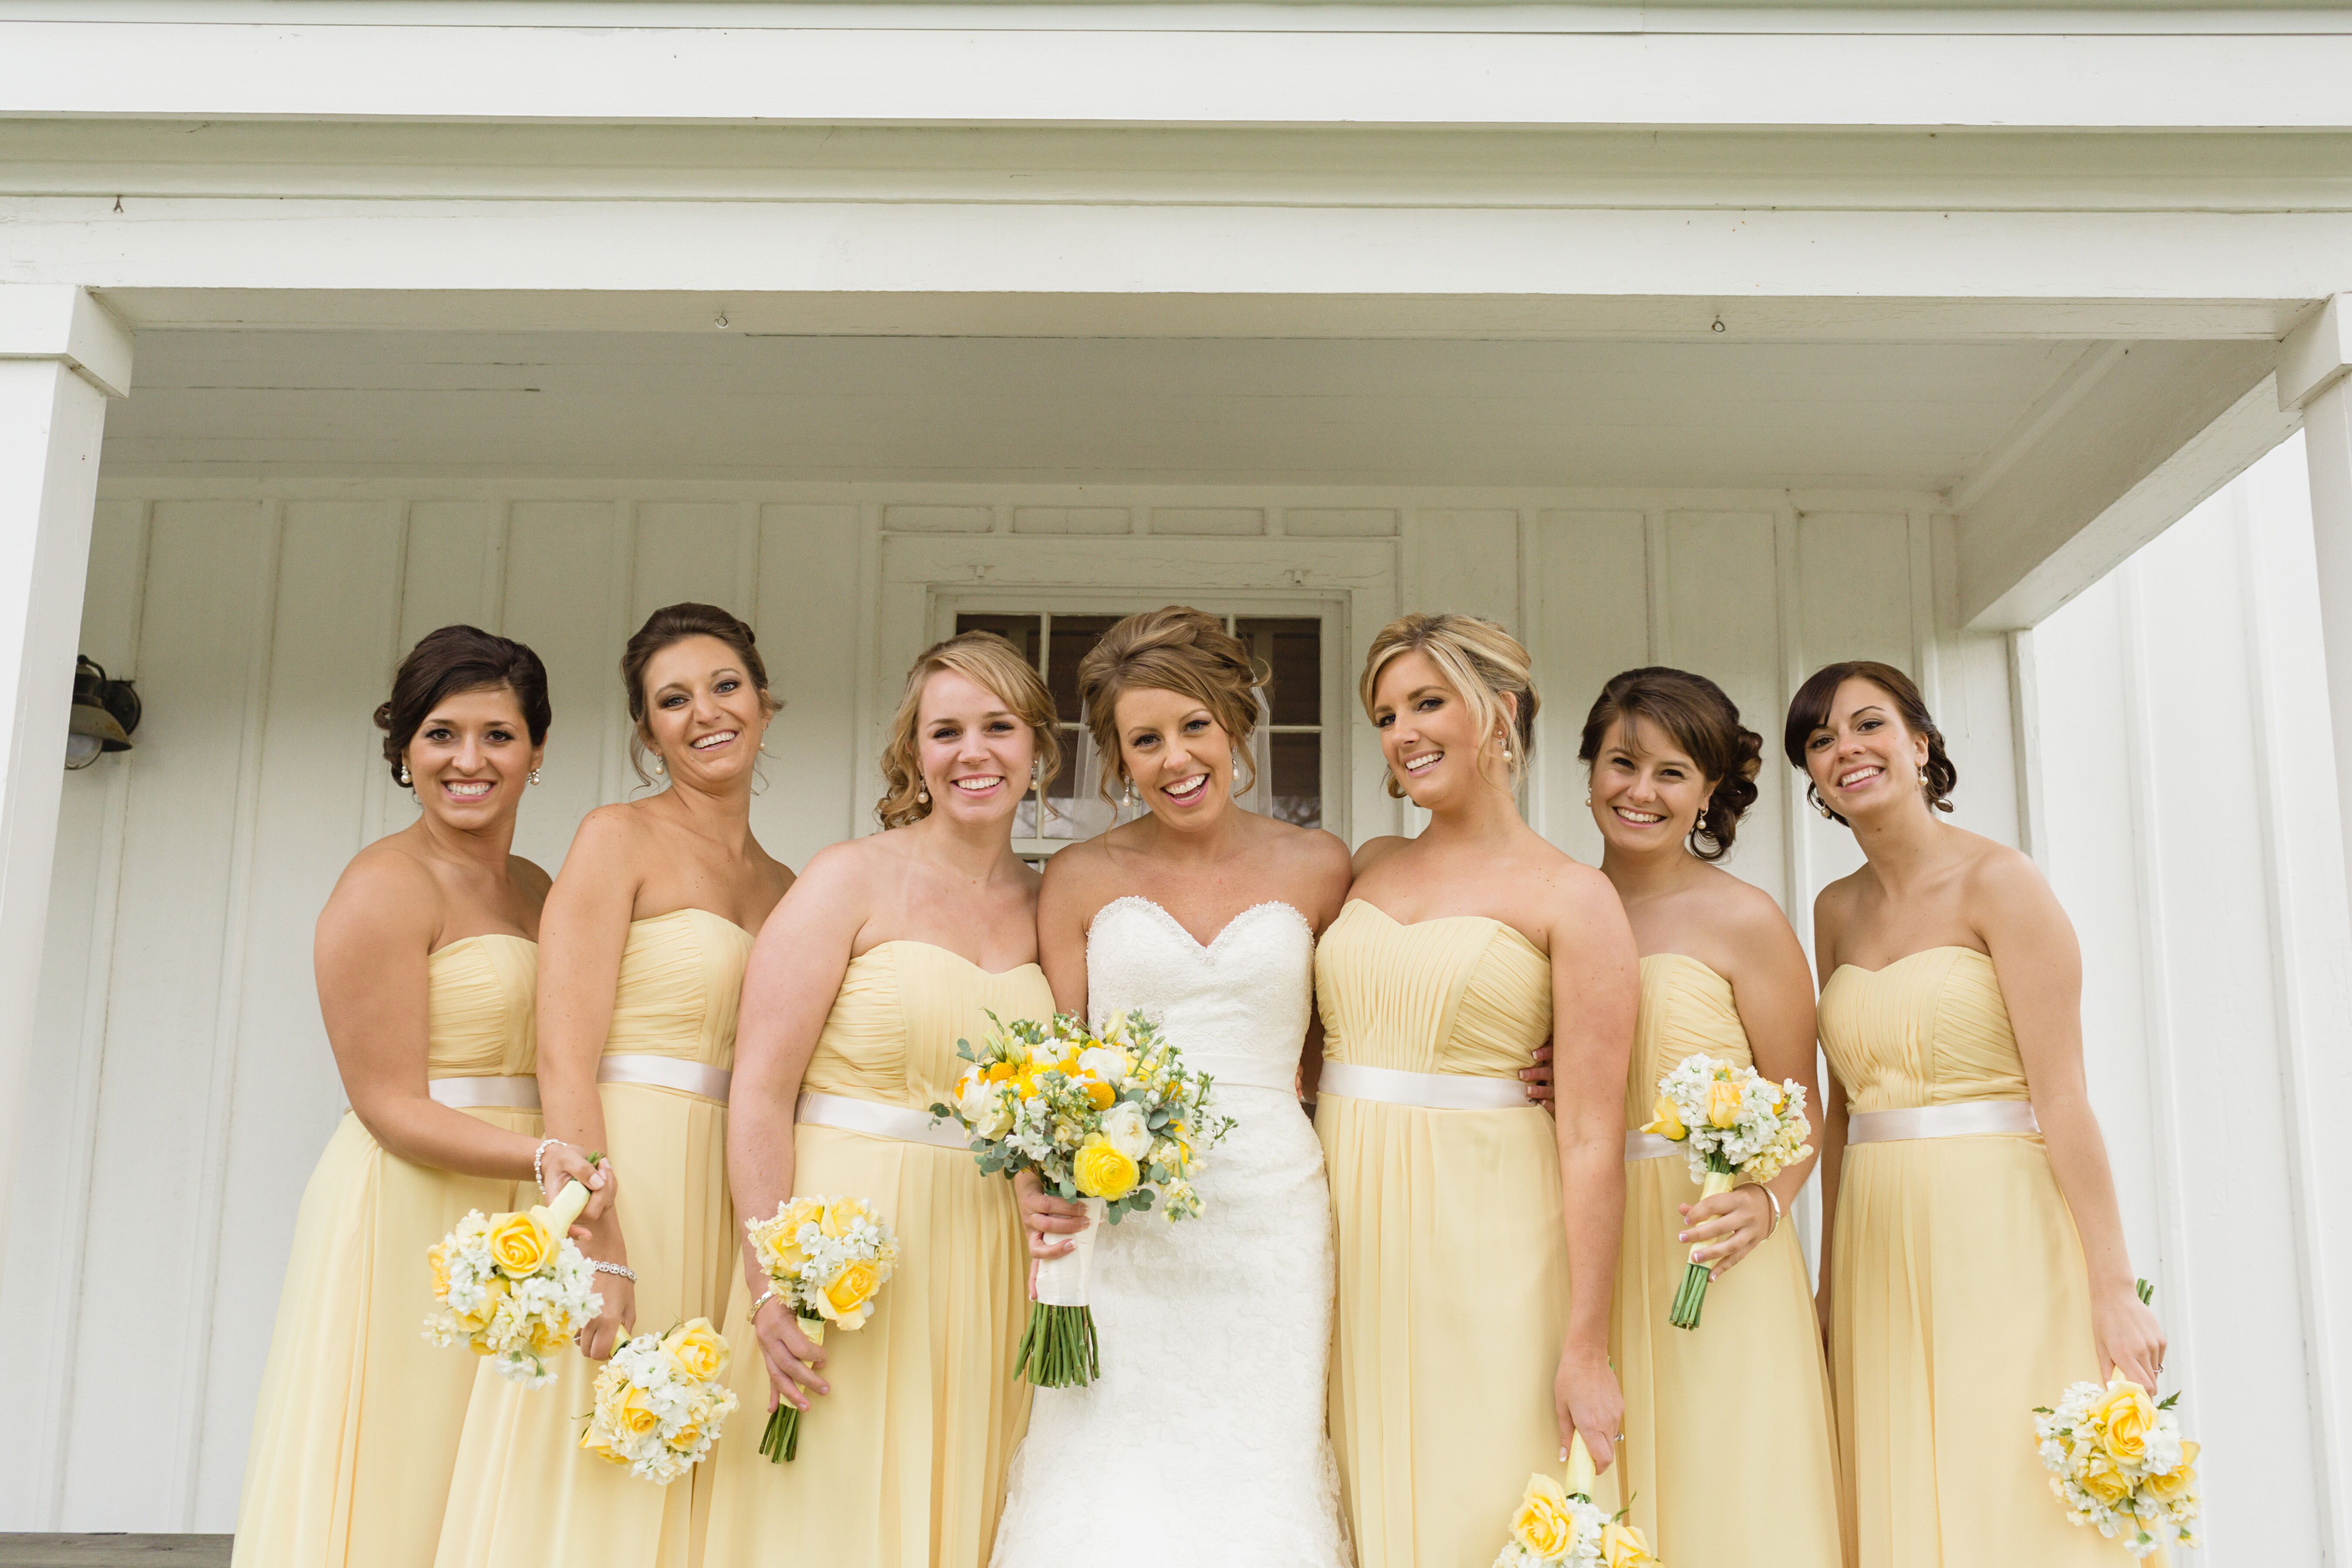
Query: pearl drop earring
point(403, 774)
point(922, 795)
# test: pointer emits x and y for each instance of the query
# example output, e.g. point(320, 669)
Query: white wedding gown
point(1202, 1441)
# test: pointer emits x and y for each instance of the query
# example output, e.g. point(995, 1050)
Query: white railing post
point(61, 357)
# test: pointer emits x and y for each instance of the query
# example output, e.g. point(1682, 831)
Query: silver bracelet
point(765, 1297)
point(623, 1269)
point(538, 1178)
point(1774, 1199)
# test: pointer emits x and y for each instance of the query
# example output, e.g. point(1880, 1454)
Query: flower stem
point(1691, 1297)
point(1058, 1348)
point(781, 1441)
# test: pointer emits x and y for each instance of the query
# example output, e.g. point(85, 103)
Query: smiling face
point(1179, 757)
point(974, 751)
point(1433, 741)
point(703, 715)
point(470, 759)
point(1647, 792)
point(1861, 758)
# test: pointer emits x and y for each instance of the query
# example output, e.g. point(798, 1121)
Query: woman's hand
point(794, 1358)
point(2130, 1339)
point(1726, 1227)
point(1585, 1398)
point(1046, 1218)
point(1537, 1075)
point(561, 1163)
point(609, 1330)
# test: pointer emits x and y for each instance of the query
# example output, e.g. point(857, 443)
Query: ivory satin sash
point(1962, 1119)
point(1247, 1073)
point(665, 1072)
point(1649, 1146)
point(1429, 1090)
point(878, 1120)
point(486, 1093)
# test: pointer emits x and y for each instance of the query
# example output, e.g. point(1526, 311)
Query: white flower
point(1123, 1127)
point(981, 1105)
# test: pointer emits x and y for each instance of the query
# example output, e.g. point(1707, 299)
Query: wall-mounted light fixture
point(105, 712)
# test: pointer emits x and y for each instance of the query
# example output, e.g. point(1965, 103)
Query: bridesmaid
point(1976, 1265)
point(426, 962)
point(890, 950)
point(1477, 1240)
point(1728, 1425)
point(648, 931)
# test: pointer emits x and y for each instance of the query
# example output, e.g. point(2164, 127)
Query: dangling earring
point(1037, 774)
point(534, 775)
point(402, 775)
point(922, 795)
point(1128, 798)
point(1506, 745)
point(660, 767)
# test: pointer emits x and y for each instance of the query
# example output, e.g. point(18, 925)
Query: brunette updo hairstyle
point(1479, 659)
point(456, 659)
point(674, 623)
point(1700, 718)
point(986, 660)
point(1177, 650)
point(1809, 710)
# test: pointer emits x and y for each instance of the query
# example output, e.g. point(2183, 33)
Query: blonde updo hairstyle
point(1479, 659)
point(1177, 650)
point(985, 659)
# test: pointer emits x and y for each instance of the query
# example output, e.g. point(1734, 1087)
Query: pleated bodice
point(1459, 994)
point(891, 1035)
point(1928, 1029)
point(482, 993)
point(681, 976)
point(1686, 1010)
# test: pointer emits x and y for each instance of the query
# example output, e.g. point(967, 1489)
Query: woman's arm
point(582, 933)
point(794, 975)
point(1066, 901)
point(2039, 965)
point(1831, 1143)
point(1774, 995)
point(1596, 990)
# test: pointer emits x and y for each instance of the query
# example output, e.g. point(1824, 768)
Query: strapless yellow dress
point(356, 1429)
point(1961, 1298)
point(524, 1491)
point(1726, 1425)
point(902, 1464)
point(1452, 1263)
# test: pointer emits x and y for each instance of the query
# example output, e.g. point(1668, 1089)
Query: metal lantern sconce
point(105, 712)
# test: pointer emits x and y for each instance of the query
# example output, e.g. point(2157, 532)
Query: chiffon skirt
point(1453, 1308)
point(1727, 1426)
point(903, 1463)
point(1962, 1303)
point(524, 1491)
point(356, 1430)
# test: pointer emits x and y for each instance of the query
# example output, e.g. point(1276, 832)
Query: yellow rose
point(1543, 1525)
point(1622, 1546)
point(1102, 1172)
point(546, 1338)
point(638, 1416)
point(520, 1246)
point(1722, 1103)
point(800, 1212)
point(1664, 1122)
point(842, 1215)
point(2105, 1483)
point(852, 1287)
point(698, 1348)
point(436, 1257)
point(2176, 1484)
point(2125, 1416)
point(688, 1436)
point(494, 1293)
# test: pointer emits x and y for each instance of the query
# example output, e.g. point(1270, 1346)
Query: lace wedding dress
point(1202, 1441)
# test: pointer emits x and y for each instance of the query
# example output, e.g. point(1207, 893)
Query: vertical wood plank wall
point(184, 1087)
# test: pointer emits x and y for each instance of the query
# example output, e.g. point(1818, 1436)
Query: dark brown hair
point(1704, 723)
point(670, 624)
point(1809, 710)
point(455, 659)
point(1177, 650)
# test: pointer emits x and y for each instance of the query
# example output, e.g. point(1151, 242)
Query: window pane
point(1021, 631)
point(1297, 763)
point(1293, 650)
point(1073, 638)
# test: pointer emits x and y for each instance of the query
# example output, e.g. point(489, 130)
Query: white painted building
point(1739, 337)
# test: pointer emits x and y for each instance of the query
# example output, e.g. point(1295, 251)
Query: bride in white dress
point(1202, 1441)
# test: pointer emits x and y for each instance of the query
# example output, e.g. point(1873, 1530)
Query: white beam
point(59, 358)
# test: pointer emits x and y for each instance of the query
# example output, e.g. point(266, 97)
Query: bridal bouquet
point(827, 1258)
point(514, 1287)
point(1557, 1523)
point(1109, 1119)
point(1734, 1125)
point(659, 1402)
point(2117, 1460)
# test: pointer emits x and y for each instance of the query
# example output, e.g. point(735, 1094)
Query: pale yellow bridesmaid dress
point(524, 1491)
point(356, 1429)
point(1961, 1298)
point(902, 1464)
point(1727, 1426)
point(1453, 1262)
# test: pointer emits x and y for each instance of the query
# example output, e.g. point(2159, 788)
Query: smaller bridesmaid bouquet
point(1110, 1120)
point(1557, 1523)
point(660, 1402)
point(514, 1287)
point(1734, 1125)
point(2117, 1460)
point(827, 1258)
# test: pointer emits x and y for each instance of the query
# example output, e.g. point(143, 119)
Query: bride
point(1204, 1435)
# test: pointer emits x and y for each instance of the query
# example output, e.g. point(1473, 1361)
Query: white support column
point(61, 357)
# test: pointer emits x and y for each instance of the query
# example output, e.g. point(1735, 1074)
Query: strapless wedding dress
point(1202, 1441)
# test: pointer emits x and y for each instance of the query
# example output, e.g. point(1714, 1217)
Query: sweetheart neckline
point(1209, 947)
point(477, 936)
point(1922, 953)
point(951, 952)
point(1525, 940)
